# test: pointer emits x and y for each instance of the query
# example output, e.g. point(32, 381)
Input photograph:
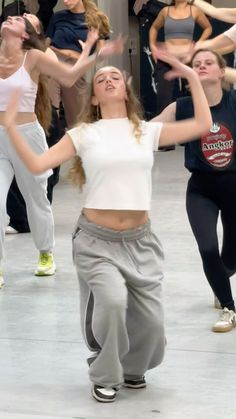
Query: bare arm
point(67, 75)
point(51, 54)
point(188, 129)
point(167, 115)
point(220, 43)
point(36, 163)
point(225, 14)
point(230, 74)
point(153, 32)
point(204, 23)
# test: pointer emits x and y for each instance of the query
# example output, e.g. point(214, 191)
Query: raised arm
point(225, 14)
point(167, 115)
point(67, 75)
point(36, 163)
point(189, 129)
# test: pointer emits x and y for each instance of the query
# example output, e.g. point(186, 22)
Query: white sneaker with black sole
point(104, 394)
point(135, 384)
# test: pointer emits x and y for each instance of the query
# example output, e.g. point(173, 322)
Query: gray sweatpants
point(120, 277)
point(33, 188)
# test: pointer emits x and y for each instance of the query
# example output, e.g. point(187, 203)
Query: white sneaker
point(1, 279)
point(11, 230)
point(104, 394)
point(226, 322)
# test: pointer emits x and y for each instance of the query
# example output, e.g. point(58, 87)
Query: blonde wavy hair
point(92, 114)
point(95, 18)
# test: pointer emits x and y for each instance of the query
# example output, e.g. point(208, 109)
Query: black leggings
point(208, 195)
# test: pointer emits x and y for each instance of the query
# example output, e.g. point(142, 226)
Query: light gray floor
point(43, 373)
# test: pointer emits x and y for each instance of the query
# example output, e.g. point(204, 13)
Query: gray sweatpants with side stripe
point(120, 277)
point(32, 187)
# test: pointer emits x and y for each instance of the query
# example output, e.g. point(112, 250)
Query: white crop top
point(117, 167)
point(231, 33)
point(20, 79)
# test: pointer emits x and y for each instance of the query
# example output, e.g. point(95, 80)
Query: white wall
point(224, 3)
point(117, 11)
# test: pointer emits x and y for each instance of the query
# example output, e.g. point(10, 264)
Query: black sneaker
point(104, 394)
point(139, 383)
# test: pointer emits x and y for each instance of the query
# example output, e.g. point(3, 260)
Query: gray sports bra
point(179, 28)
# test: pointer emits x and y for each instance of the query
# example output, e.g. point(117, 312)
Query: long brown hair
point(92, 113)
point(95, 18)
point(43, 108)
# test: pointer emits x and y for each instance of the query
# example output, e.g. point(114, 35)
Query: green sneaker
point(1, 279)
point(46, 265)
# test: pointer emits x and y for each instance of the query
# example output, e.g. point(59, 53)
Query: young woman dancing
point(211, 188)
point(117, 256)
point(21, 66)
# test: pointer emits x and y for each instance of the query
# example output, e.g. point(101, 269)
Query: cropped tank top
point(22, 80)
point(179, 28)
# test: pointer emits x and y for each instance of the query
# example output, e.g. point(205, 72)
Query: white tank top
point(20, 79)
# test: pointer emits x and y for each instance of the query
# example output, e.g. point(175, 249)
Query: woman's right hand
point(153, 49)
point(92, 38)
point(178, 68)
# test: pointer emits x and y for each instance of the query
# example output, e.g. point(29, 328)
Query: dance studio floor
point(43, 372)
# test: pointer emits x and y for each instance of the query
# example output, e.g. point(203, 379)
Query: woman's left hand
point(113, 47)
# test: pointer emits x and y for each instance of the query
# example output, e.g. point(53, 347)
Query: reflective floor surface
point(42, 354)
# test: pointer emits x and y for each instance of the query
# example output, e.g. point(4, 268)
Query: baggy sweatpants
point(120, 277)
point(32, 187)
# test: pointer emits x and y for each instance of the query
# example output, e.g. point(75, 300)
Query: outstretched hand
point(12, 109)
point(182, 52)
point(113, 47)
point(178, 68)
point(92, 38)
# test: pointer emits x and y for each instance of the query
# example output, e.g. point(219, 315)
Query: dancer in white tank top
point(19, 69)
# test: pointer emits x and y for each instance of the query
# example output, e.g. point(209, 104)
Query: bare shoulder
point(161, 15)
point(33, 55)
point(164, 11)
point(196, 12)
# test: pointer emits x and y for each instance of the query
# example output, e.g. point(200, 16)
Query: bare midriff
point(116, 219)
point(178, 47)
point(68, 53)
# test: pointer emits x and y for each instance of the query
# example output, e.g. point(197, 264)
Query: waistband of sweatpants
point(109, 234)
